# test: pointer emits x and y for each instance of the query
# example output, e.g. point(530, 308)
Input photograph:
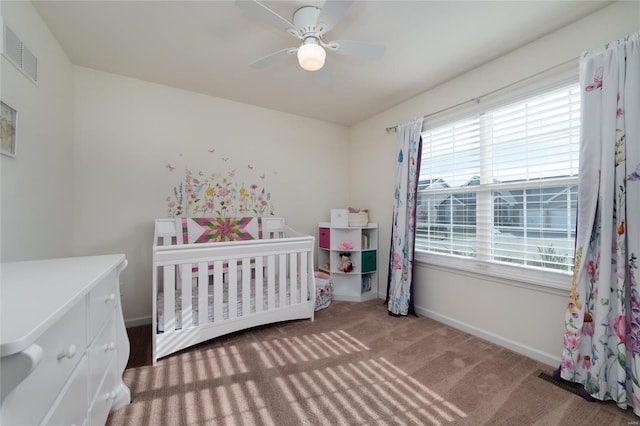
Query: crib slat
point(246, 286)
point(169, 286)
point(203, 296)
point(187, 296)
point(259, 284)
point(233, 288)
point(218, 287)
point(271, 283)
point(293, 278)
point(304, 277)
point(282, 278)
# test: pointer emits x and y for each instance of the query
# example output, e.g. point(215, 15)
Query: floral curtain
point(400, 283)
point(602, 324)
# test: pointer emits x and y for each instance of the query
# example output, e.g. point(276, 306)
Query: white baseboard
point(532, 353)
point(135, 322)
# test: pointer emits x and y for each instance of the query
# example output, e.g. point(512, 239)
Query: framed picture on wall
point(8, 129)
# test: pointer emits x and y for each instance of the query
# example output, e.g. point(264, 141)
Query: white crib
point(202, 290)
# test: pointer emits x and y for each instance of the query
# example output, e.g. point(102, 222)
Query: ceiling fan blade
point(274, 57)
point(358, 49)
point(332, 12)
point(260, 11)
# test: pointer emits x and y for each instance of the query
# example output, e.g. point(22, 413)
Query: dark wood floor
point(140, 341)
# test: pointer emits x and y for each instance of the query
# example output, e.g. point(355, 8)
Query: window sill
point(558, 283)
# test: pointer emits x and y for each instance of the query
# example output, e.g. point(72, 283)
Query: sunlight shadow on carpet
point(367, 391)
point(325, 378)
point(302, 349)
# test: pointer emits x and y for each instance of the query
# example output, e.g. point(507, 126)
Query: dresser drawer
point(100, 353)
point(103, 400)
point(63, 345)
point(71, 406)
point(102, 301)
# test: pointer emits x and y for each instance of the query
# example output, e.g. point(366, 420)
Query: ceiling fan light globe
point(311, 57)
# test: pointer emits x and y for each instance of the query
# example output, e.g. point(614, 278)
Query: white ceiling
point(206, 46)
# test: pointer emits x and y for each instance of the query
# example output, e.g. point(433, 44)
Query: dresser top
point(36, 293)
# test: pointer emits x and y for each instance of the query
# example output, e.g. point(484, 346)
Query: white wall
point(526, 320)
point(36, 211)
point(126, 132)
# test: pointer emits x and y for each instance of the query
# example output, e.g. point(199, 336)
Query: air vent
point(17, 53)
point(568, 386)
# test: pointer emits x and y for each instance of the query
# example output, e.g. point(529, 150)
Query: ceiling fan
point(310, 26)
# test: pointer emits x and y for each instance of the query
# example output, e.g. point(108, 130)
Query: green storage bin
point(369, 261)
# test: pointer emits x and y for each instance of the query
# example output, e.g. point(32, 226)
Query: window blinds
point(501, 186)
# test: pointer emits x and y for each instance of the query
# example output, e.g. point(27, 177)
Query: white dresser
point(63, 343)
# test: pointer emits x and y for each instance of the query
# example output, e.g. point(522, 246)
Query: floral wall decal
point(201, 194)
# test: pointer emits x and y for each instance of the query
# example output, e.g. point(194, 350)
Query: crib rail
point(210, 289)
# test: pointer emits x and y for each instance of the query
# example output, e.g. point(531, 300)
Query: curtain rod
point(478, 98)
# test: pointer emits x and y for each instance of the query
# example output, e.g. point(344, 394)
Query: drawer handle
point(110, 347)
point(110, 298)
point(68, 352)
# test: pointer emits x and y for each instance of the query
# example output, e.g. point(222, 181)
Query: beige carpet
point(354, 365)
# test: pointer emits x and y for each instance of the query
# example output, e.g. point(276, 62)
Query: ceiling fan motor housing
point(306, 21)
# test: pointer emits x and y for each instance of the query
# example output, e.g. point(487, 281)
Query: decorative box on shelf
point(359, 219)
point(339, 218)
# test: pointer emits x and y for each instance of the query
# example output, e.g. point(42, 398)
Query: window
point(501, 186)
